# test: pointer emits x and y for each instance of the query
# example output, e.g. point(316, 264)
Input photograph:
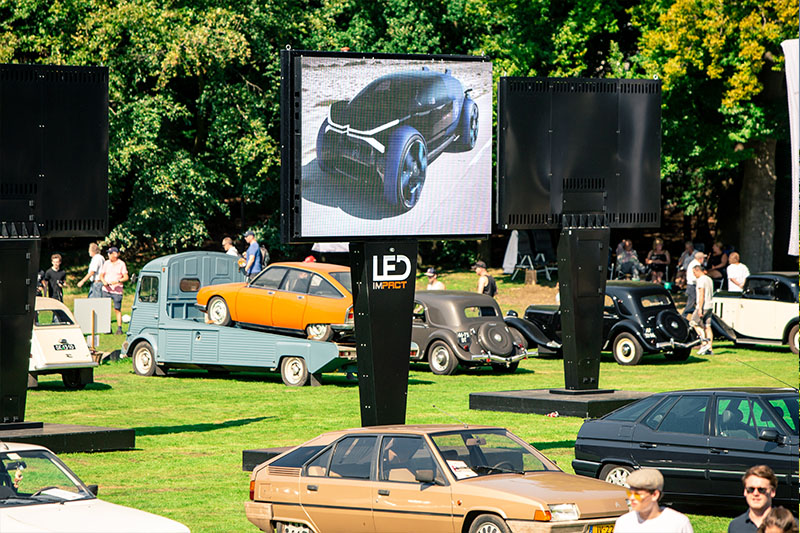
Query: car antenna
point(451, 416)
point(765, 373)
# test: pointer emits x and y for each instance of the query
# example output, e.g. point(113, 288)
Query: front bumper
point(260, 514)
point(569, 526)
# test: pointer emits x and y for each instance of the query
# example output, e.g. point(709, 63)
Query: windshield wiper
point(496, 469)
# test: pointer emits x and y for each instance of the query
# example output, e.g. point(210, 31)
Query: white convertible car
point(38, 493)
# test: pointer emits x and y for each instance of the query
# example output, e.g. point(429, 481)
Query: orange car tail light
point(542, 516)
point(252, 490)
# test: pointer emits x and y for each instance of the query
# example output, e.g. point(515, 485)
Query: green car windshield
point(469, 453)
point(35, 477)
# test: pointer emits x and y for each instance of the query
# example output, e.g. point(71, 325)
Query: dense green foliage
point(194, 103)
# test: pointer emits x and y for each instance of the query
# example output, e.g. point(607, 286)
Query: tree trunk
point(757, 206)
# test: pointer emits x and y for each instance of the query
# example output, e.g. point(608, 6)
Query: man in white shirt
point(646, 516)
point(737, 272)
point(93, 275)
point(433, 280)
point(691, 284)
point(230, 249)
point(701, 318)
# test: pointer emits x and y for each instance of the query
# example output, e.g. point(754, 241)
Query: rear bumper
point(571, 526)
point(503, 359)
point(260, 514)
point(671, 344)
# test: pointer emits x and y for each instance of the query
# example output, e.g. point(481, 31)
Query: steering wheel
point(504, 465)
point(42, 490)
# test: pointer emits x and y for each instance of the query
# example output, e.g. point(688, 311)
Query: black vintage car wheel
point(627, 350)
point(679, 354)
point(441, 359)
point(615, 474)
point(406, 167)
point(72, 379)
point(495, 337)
point(672, 325)
point(469, 125)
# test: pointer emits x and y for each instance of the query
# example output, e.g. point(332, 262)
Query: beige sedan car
point(445, 478)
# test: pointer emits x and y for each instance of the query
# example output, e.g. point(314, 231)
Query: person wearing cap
point(230, 249)
point(252, 256)
point(433, 282)
point(691, 284)
point(760, 484)
point(486, 283)
point(646, 515)
point(113, 274)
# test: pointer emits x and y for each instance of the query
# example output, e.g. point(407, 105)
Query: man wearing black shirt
point(486, 283)
point(759, 489)
point(54, 278)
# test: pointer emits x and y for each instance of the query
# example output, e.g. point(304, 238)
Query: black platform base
point(253, 458)
point(67, 438)
point(543, 401)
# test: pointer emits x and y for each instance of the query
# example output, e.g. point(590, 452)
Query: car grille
point(356, 160)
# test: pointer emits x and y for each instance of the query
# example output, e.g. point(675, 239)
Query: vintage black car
point(456, 327)
point(702, 441)
point(391, 130)
point(638, 318)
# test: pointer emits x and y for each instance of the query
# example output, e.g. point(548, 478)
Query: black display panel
point(578, 147)
point(376, 146)
point(54, 148)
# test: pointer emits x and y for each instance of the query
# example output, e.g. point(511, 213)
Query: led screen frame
point(406, 143)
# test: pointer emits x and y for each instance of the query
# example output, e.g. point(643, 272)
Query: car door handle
point(647, 445)
point(312, 488)
point(300, 297)
point(270, 293)
point(383, 492)
point(717, 450)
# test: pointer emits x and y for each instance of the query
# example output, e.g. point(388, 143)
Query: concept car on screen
point(389, 132)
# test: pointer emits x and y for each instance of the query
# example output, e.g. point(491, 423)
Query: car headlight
point(564, 511)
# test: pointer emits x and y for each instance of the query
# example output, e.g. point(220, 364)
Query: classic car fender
point(792, 323)
point(530, 331)
point(129, 346)
point(452, 341)
point(629, 326)
point(721, 329)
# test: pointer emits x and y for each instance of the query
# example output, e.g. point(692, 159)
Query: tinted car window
point(270, 278)
point(344, 279)
point(402, 457)
point(688, 415)
point(783, 293)
point(319, 466)
point(787, 409)
point(352, 457)
point(760, 289)
point(655, 418)
point(148, 289)
point(297, 457)
point(189, 285)
point(296, 281)
point(321, 287)
point(632, 412)
point(52, 317)
point(479, 311)
point(742, 418)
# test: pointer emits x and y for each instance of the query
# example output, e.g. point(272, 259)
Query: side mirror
point(770, 435)
point(427, 476)
point(511, 312)
point(93, 489)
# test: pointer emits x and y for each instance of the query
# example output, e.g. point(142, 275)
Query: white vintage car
point(58, 346)
point(766, 312)
point(39, 493)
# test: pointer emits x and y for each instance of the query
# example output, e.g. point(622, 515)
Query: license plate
point(62, 347)
point(602, 528)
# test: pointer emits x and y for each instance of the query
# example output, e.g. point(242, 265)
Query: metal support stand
point(383, 275)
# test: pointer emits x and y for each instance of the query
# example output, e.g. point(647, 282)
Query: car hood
point(593, 497)
point(84, 516)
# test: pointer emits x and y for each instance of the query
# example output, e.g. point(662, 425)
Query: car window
point(783, 293)
point(419, 312)
point(608, 305)
point(148, 289)
point(632, 412)
point(655, 418)
point(688, 415)
point(352, 457)
point(655, 300)
point(269, 278)
point(402, 457)
point(187, 285)
point(319, 466)
point(470, 453)
point(759, 289)
point(52, 317)
point(479, 311)
point(344, 279)
point(741, 418)
point(296, 281)
point(321, 287)
point(297, 457)
point(787, 409)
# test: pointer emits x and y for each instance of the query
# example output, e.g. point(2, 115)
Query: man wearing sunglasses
point(646, 516)
point(760, 484)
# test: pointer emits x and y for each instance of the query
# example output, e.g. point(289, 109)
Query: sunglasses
point(761, 490)
point(636, 495)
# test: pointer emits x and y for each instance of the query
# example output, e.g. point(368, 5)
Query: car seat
point(732, 425)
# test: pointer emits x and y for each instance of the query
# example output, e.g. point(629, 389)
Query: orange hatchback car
point(314, 299)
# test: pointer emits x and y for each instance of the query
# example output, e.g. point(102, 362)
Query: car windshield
point(344, 279)
point(52, 317)
point(787, 408)
point(37, 476)
point(469, 453)
point(655, 300)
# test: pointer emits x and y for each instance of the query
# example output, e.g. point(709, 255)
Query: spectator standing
point(717, 261)
point(701, 317)
point(691, 284)
point(113, 275)
point(54, 278)
point(433, 280)
point(253, 256)
point(93, 275)
point(683, 263)
point(646, 515)
point(230, 249)
point(737, 273)
point(486, 283)
point(760, 484)
point(779, 520)
point(657, 259)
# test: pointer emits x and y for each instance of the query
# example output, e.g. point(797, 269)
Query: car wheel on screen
point(294, 371)
point(144, 359)
point(72, 379)
point(489, 523)
point(468, 126)
point(627, 350)
point(218, 312)
point(616, 474)
point(319, 332)
point(794, 339)
point(441, 359)
point(324, 151)
point(406, 167)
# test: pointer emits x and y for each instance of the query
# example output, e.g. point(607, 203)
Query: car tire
point(488, 523)
point(72, 379)
point(794, 339)
point(505, 369)
point(218, 311)
point(294, 371)
point(144, 359)
point(324, 153)
point(406, 167)
point(679, 354)
point(627, 349)
point(468, 126)
point(615, 474)
point(319, 332)
point(441, 359)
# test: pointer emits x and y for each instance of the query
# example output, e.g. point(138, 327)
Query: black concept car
point(391, 130)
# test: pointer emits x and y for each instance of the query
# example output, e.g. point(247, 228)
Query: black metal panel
point(578, 146)
point(383, 277)
point(69, 438)
point(543, 401)
point(54, 148)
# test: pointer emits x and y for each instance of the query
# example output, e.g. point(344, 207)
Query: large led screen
point(387, 146)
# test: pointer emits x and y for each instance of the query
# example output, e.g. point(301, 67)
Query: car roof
point(790, 275)
point(6, 446)
point(413, 429)
point(313, 266)
point(462, 297)
point(43, 304)
point(741, 390)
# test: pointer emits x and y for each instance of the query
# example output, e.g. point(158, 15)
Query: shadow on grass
point(197, 428)
point(58, 386)
point(554, 444)
point(337, 379)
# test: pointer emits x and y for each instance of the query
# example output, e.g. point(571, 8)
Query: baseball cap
point(113, 249)
point(249, 233)
point(431, 272)
point(478, 264)
point(310, 259)
point(646, 479)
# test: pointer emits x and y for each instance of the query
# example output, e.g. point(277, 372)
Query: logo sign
point(390, 271)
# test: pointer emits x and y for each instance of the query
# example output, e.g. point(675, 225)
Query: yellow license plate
point(603, 528)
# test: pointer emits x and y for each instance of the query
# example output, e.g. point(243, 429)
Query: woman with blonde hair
point(658, 259)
